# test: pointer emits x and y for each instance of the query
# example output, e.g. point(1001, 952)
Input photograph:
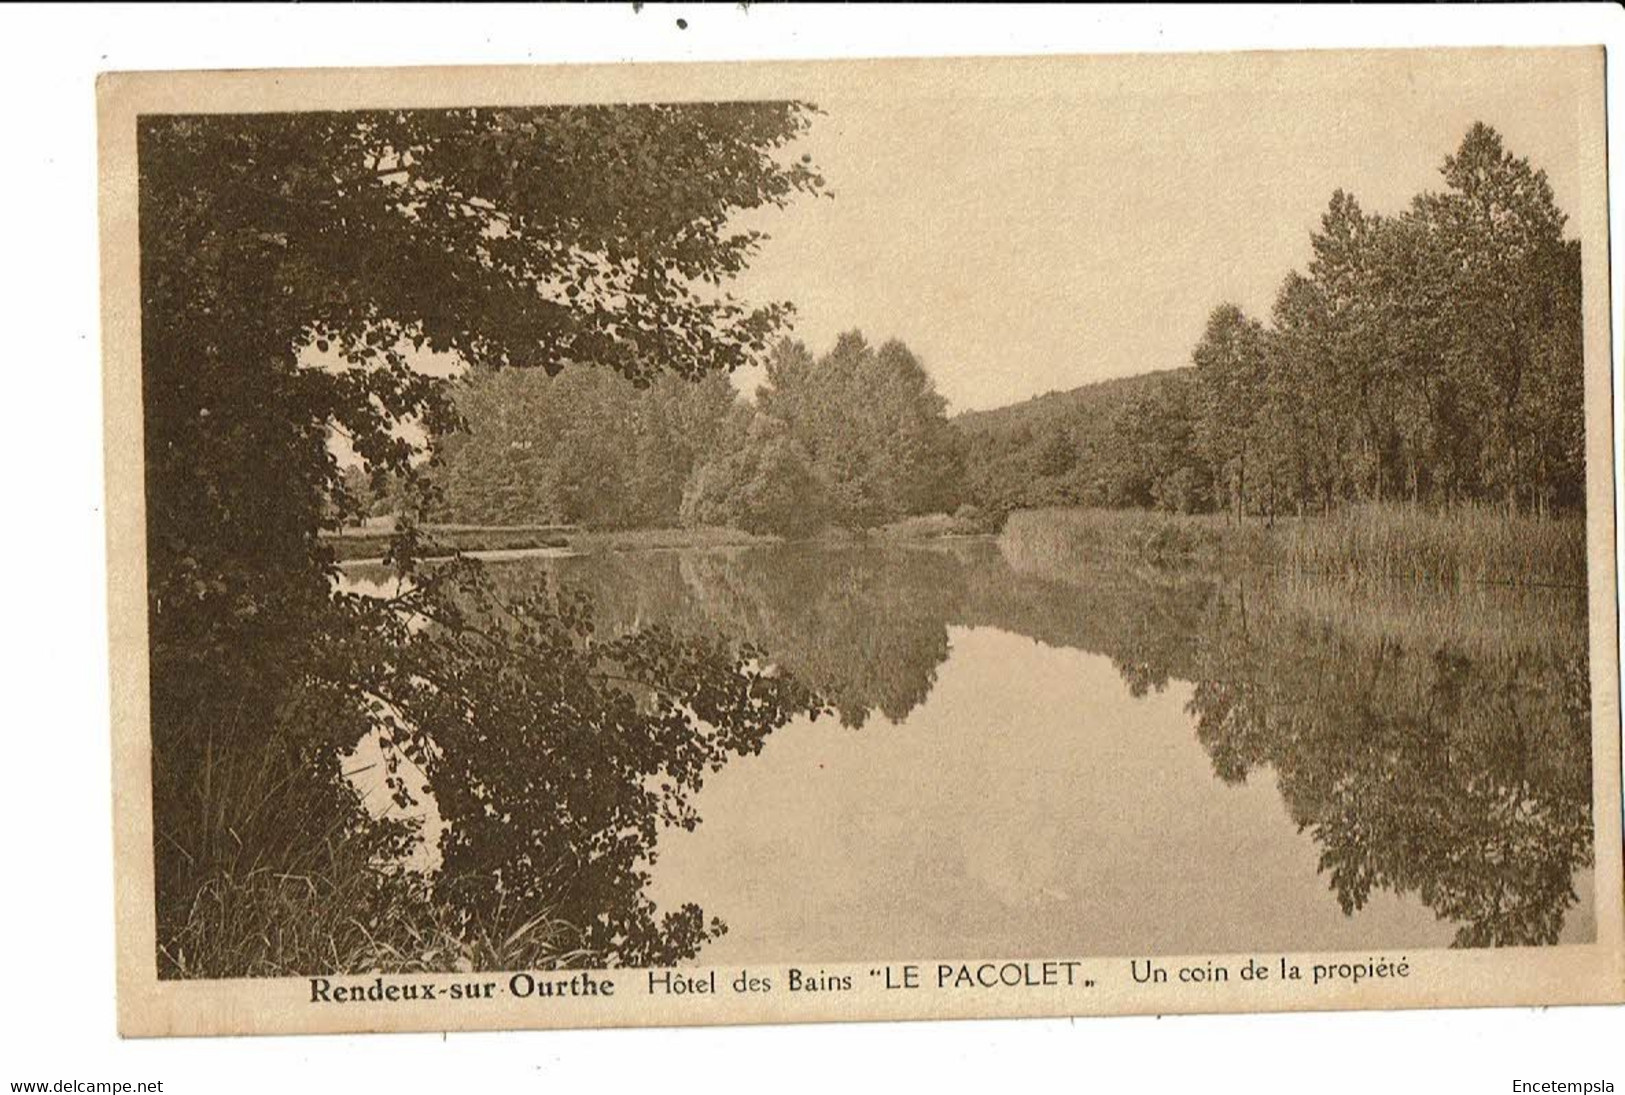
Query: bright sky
point(1080, 221)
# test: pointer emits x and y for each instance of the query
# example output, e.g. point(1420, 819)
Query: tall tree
point(1513, 297)
point(293, 268)
point(1434, 355)
point(1230, 364)
point(1304, 367)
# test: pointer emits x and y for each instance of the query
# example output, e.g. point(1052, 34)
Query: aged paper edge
point(1568, 974)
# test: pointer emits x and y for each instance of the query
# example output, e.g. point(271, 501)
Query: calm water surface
point(1037, 757)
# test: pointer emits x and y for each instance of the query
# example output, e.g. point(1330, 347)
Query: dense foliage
point(587, 447)
point(1433, 356)
point(856, 438)
point(294, 270)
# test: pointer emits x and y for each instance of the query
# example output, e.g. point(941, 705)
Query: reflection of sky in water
point(1029, 807)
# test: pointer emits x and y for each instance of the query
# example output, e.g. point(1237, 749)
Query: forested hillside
point(1078, 447)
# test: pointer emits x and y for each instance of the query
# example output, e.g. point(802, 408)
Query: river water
point(1034, 757)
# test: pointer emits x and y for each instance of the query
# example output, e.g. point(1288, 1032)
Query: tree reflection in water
point(865, 628)
point(1431, 741)
point(1462, 778)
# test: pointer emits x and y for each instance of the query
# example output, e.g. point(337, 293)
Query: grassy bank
point(1387, 542)
point(343, 915)
point(968, 521)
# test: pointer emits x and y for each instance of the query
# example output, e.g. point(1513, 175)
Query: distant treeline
point(856, 438)
point(1432, 356)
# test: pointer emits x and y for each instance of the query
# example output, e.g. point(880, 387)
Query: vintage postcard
point(734, 543)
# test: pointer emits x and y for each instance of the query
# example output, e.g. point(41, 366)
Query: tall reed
point(1461, 544)
point(1386, 542)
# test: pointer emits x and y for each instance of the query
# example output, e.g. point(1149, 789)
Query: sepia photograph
point(885, 539)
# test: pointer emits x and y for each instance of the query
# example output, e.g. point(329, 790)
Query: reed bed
point(1461, 544)
point(1464, 544)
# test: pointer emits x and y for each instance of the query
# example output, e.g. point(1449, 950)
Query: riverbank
point(1388, 542)
point(360, 546)
point(667, 539)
